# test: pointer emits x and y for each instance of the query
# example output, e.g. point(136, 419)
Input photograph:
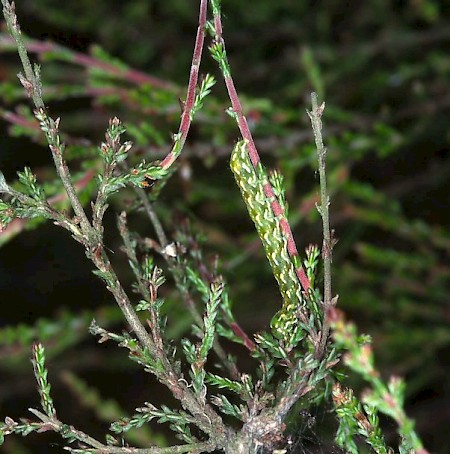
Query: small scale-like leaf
point(224, 383)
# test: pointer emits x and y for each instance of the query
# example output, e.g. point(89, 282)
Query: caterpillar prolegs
point(252, 182)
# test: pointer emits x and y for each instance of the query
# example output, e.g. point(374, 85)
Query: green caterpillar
point(251, 182)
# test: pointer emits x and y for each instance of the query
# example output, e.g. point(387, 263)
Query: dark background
point(383, 68)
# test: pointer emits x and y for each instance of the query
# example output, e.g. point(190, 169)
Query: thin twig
point(328, 242)
point(99, 448)
point(163, 241)
point(32, 84)
point(66, 54)
point(186, 116)
point(177, 449)
point(56, 425)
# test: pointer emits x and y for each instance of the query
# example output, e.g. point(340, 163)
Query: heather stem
point(32, 83)
point(327, 248)
point(186, 117)
point(163, 241)
point(218, 52)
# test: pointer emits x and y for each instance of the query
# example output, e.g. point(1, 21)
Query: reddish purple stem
point(255, 159)
point(190, 98)
point(78, 58)
point(239, 332)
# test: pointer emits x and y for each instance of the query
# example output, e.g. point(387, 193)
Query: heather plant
point(296, 360)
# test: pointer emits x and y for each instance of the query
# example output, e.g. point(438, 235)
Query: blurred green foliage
point(383, 68)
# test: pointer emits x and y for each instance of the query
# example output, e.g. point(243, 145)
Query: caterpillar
point(252, 181)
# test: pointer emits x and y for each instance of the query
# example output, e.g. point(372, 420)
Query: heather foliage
point(296, 360)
